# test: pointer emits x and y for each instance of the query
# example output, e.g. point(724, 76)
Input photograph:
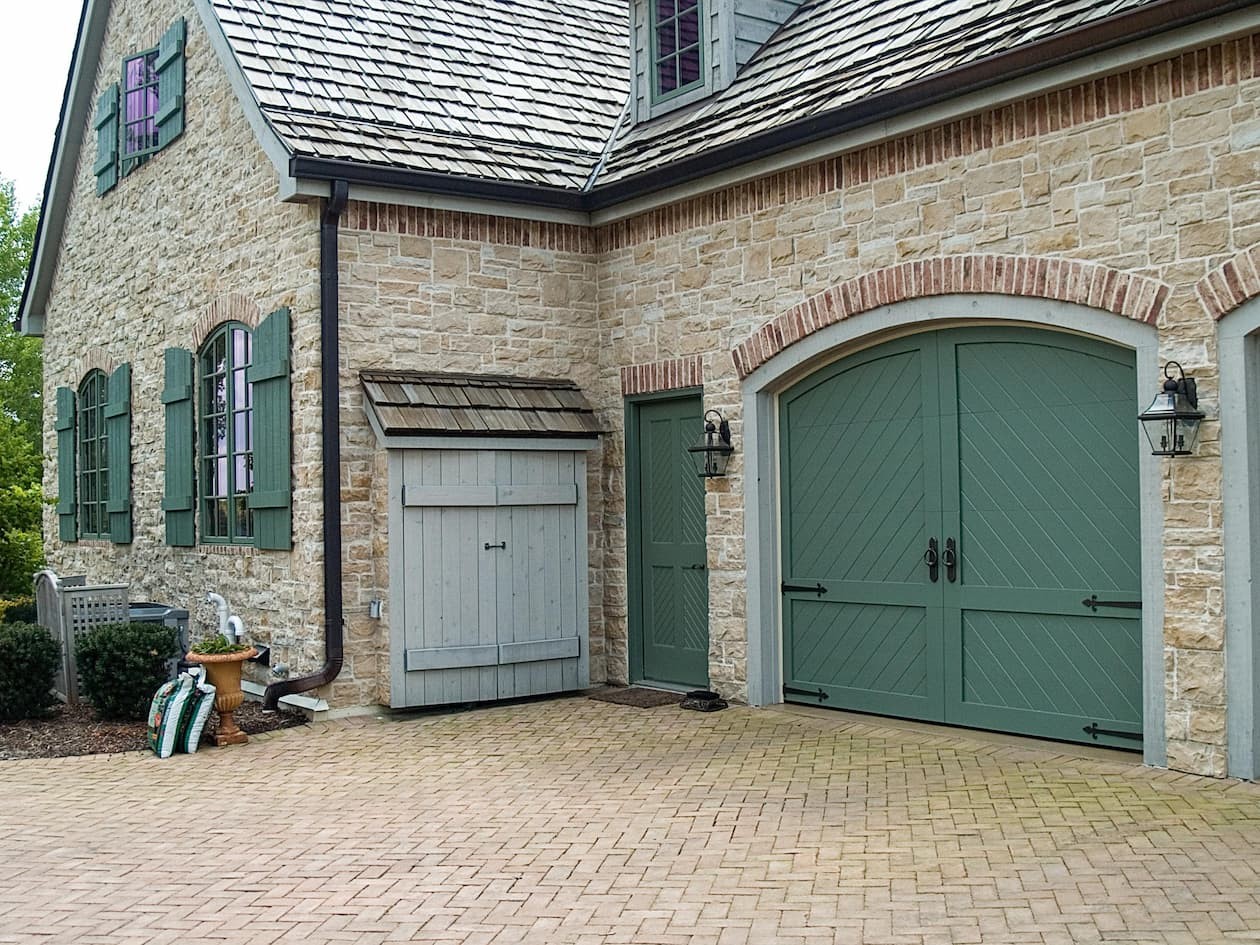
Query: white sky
point(35, 48)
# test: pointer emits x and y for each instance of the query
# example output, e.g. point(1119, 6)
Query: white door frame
point(761, 451)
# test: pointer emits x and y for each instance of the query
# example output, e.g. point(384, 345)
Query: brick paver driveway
point(573, 821)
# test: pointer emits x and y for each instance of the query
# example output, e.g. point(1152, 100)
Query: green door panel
point(1040, 453)
point(671, 596)
point(1018, 444)
point(858, 445)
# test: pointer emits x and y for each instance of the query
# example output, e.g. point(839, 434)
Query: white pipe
point(236, 629)
point(222, 607)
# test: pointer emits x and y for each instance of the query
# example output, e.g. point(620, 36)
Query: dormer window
point(677, 60)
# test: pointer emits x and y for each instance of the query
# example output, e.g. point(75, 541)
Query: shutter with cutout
point(118, 431)
point(269, 376)
point(170, 75)
point(66, 530)
point(177, 497)
point(106, 167)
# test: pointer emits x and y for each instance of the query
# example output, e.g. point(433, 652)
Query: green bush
point(18, 610)
point(122, 665)
point(28, 658)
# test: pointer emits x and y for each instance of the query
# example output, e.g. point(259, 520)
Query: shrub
point(28, 658)
point(17, 610)
point(216, 645)
point(122, 665)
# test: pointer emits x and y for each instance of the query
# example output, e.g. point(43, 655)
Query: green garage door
point(1009, 458)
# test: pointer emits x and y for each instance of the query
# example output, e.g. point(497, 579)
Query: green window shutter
point(106, 167)
point(269, 375)
point(170, 74)
point(66, 530)
point(118, 429)
point(177, 498)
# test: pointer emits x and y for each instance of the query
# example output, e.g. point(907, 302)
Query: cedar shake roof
point(517, 90)
point(415, 403)
point(535, 91)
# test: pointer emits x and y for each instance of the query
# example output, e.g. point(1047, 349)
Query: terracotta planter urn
point(223, 671)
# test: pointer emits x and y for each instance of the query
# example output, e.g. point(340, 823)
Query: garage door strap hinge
point(1094, 731)
point(1093, 603)
point(813, 693)
point(806, 588)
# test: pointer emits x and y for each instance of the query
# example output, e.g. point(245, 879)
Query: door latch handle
point(502, 544)
point(932, 559)
point(950, 559)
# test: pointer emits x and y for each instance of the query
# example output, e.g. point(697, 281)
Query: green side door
point(1009, 458)
point(669, 592)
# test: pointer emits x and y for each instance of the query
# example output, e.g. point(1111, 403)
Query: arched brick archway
point(1229, 285)
point(1065, 280)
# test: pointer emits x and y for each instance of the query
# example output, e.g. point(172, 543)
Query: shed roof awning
point(417, 403)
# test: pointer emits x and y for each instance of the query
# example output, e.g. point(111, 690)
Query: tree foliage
point(21, 407)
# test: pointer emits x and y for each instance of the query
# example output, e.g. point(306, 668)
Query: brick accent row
point(1213, 67)
point(1230, 285)
point(674, 374)
point(226, 308)
point(471, 227)
point(1136, 297)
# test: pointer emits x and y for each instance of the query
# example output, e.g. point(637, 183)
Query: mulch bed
point(74, 730)
point(638, 697)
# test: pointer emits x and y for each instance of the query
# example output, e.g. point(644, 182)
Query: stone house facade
point(1107, 195)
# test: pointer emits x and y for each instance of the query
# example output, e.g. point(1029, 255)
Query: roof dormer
point(685, 50)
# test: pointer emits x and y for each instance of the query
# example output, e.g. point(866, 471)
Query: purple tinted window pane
point(240, 348)
point(238, 387)
point(665, 9)
point(242, 472)
point(240, 431)
point(688, 29)
point(667, 75)
point(667, 39)
point(136, 73)
point(689, 66)
point(220, 475)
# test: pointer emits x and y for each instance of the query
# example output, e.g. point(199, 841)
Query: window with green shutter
point(143, 114)
point(225, 423)
point(92, 451)
point(228, 428)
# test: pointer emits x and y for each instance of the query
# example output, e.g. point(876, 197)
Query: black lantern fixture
point(714, 449)
point(1172, 420)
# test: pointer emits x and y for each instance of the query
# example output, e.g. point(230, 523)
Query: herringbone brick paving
point(573, 822)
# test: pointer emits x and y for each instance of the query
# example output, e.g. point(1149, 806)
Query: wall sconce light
point(1172, 420)
point(714, 449)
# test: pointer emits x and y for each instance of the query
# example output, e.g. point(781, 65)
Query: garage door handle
point(502, 544)
point(950, 559)
point(932, 559)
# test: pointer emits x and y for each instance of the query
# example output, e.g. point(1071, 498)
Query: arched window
point(225, 439)
point(92, 447)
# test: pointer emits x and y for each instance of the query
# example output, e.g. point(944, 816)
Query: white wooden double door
point(493, 562)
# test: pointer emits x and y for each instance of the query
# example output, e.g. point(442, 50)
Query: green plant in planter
point(121, 665)
point(28, 659)
point(216, 645)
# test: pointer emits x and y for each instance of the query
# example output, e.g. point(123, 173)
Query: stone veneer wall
point(1147, 175)
point(440, 291)
point(1145, 178)
point(193, 237)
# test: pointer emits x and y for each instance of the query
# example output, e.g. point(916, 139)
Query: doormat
point(638, 697)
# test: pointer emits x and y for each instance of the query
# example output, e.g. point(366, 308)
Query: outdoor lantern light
point(1172, 420)
point(714, 449)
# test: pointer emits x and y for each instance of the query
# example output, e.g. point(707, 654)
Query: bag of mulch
point(193, 721)
point(169, 705)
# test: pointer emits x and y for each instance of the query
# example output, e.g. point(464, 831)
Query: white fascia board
point(305, 189)
point(268, 138)
point(75, 109)
point(1092, 66)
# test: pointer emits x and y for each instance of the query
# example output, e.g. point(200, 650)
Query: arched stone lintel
point(1067, 280)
